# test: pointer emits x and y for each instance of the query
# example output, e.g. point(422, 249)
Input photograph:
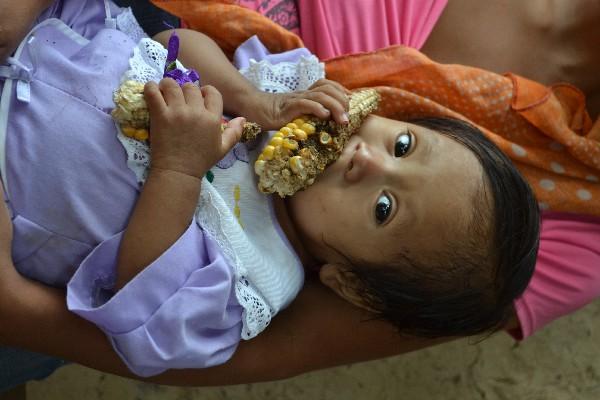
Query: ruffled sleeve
point(179, 312)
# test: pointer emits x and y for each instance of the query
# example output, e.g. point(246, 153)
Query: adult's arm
point(16, 18)
point(35, 317)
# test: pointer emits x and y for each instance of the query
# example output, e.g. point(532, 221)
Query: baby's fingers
point(322, 106)
point(172, 93)
point(334, 92)
point(154, 98)
point(213, 101)
point(232, 133)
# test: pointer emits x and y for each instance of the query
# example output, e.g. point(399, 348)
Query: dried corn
point(296, 160)
point(132, 114)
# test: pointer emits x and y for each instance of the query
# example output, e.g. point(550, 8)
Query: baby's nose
point(365, 163)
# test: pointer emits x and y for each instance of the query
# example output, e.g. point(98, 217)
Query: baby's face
point(396, 186)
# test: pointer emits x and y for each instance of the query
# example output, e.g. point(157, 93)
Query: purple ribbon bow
point(171, 70)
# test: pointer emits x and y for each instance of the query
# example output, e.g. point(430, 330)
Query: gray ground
point(560, 362)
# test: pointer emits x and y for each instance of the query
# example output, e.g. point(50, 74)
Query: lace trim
point(257, 313)
point(127, 24)
point(285, 76)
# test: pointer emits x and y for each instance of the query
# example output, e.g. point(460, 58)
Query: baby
point(426, 224)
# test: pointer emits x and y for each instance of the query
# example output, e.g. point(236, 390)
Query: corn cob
point(132, 115)
point(303, 148)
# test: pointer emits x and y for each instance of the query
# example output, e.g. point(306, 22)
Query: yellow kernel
point(259, 166)
point(299, 134)
point(296, 164)
point(141, 134)
point(298, 121)
point(279, 134)
point(268, 152)
point(305, 153)
point(308, 128)
point(292, 126)
point(324, 137)
point(128, 131)
point(261, 157)
point(286, 131)
point(289, 144)
point(276, 141)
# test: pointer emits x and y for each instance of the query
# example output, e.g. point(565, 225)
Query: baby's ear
point(342, 281)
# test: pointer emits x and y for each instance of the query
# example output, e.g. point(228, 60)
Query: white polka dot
point(584, 194)
point(592, 178)
point(547, 184)
point(556, 146)
point(556, 167)
point(518, 150)
point(543, 206)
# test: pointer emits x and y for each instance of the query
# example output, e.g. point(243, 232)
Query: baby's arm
point(16, 18)
point(185, 125)
point(270, 111)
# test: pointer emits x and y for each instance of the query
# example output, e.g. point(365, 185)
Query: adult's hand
point(16, 18)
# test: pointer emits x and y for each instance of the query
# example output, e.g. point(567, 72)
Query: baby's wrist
point(250, 104)
point(179, 173)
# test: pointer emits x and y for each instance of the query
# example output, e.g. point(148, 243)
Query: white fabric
point(268, 273)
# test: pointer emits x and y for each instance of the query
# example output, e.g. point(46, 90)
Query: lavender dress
point(71, 194)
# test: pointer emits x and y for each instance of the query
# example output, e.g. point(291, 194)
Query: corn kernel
point(268, 152)
point(141, 134)
point(261, 157)
point(298, 121)
point(276, 141)
point(296, 164)
point(279, 134)
point(286, 131)
point(128, 131)
point(289, 144)
point(299, 134)
point(259, 166)
point(292, 126)
point(304, 153)
point(324, 137)
point(308, 128)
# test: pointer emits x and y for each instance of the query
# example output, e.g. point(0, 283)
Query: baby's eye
point(403, 144)
point(383, 208)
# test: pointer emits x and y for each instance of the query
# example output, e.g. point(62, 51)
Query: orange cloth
point(546, 131)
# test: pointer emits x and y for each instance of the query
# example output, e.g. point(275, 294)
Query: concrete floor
point(560, 362)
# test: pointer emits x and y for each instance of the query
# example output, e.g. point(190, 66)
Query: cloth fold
point(179, 312)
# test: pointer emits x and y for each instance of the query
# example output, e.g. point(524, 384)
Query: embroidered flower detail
point(239, 152)
point(171, 70)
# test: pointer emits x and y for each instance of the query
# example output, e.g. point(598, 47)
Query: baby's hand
point(185, 127)
point(325, 99)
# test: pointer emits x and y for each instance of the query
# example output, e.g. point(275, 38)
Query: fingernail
point(345, 118)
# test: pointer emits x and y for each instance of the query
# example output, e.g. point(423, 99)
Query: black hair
point(469, 287)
